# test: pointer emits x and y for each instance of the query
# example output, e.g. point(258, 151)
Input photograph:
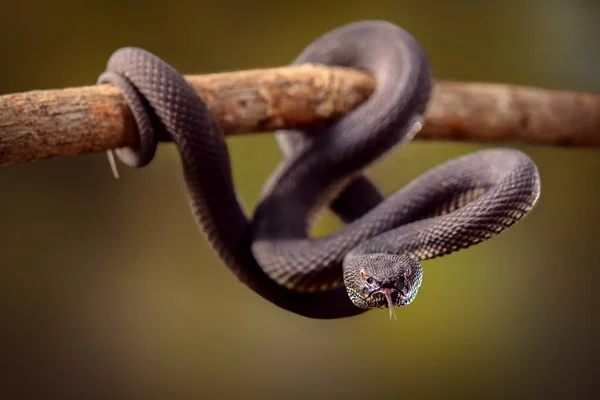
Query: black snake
point(374, 260)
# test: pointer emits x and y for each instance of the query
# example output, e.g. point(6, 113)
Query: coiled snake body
point(374, 260)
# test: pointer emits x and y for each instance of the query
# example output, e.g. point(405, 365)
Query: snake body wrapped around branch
point(374, 260)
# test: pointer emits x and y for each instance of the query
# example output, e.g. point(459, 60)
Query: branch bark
point(68, 122)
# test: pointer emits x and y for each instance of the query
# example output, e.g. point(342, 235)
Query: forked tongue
point(388, 297)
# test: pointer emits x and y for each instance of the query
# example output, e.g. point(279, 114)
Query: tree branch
point(485, 112)
point(68, 122)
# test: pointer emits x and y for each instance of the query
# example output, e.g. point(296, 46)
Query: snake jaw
point(386, 293)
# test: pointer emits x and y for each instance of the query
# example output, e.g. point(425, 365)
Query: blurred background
point(108, 290)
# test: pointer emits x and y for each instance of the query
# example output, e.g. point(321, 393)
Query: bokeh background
point(108, 290)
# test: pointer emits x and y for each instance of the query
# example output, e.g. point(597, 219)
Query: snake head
point(381, 280)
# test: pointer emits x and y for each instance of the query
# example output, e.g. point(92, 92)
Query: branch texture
point(68, 122)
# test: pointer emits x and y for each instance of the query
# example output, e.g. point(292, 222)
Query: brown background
point(107, 287)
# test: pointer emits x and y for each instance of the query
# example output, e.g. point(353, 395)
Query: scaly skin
point(376, 256)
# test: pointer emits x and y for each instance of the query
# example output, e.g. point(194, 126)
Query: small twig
point(67, 122)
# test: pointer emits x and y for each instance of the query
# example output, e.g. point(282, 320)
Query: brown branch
point(67, 122)
point(484, 112)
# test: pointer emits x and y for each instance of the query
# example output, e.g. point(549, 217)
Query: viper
point(374, 261)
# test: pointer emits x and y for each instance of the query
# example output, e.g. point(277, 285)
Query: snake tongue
point(388, 297)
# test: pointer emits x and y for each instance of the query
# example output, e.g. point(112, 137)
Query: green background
point(107, 288)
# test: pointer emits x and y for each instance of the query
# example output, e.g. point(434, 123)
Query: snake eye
point(364, 277)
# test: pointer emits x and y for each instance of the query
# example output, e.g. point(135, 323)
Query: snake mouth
point(389, 295)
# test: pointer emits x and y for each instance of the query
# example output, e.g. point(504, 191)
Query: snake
point(374, 260)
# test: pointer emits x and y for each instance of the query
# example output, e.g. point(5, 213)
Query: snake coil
point(377, 254)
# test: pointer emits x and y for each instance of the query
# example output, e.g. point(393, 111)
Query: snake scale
point(374, 260)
